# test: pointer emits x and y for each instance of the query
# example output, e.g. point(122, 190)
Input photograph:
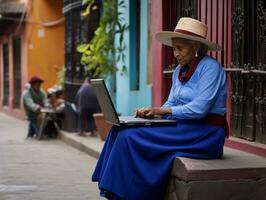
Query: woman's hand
point(151, 112)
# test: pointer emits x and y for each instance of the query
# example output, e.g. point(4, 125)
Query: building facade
point(133, 88)
point(31, 43)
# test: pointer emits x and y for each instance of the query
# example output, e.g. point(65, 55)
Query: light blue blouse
point(204, 93)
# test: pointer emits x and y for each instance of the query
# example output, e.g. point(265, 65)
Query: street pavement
point(42, 170)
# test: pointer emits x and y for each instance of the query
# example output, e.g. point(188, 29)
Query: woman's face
point(184, 51)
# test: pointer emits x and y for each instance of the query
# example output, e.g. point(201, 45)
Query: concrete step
point(90, 145)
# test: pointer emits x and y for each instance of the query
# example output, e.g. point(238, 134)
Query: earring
point(196, 54)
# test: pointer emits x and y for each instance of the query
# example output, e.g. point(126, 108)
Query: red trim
point(203, 8)
point(228, 52)
point(220, 29)
point(260, 151)
point(218, 120)
point(214, 25)
point(208, 22)
point(188, 33)
point(156, 53)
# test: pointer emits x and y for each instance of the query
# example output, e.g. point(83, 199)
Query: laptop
point(111, 115)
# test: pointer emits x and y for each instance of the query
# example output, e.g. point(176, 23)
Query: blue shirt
point(204, 93)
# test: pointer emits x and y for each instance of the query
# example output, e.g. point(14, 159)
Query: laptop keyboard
point(137, 119)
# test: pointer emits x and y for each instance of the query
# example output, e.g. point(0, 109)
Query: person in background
point(135, 162)
point(55, 98)
point(51, 117)
point(33, 98)
point(87, 104)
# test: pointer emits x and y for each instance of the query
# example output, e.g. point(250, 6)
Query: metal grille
point(73, 69)
point(73, 38)
point(248, 70)
point(78, 30)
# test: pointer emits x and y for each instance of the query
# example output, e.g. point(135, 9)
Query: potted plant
point(103, 127)
point(100, 55)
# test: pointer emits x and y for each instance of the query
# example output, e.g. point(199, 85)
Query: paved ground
point(41, 170)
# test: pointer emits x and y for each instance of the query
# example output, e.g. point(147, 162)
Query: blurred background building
point(32, 43)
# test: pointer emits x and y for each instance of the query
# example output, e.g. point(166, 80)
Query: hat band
point(188, 33)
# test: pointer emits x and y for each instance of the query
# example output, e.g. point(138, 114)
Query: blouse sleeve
point(210, 82)
point(170, 101)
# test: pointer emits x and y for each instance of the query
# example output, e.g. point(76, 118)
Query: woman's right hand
point(142, 112)
point(151, 112)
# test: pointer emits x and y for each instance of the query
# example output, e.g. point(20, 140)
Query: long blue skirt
point(135, 162)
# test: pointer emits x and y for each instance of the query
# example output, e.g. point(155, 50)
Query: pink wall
point(19, 113)
point(156, 49)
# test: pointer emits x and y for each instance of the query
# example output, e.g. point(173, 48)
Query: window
point(134, 44)
point(17, 71)
point(6, 74)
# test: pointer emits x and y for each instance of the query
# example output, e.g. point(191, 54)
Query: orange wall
point(45, 51)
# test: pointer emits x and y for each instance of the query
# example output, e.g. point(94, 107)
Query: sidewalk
point(47, 169)
point(93, 145)
point(90, 145)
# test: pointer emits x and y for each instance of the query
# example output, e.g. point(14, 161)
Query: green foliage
point(100, 55)
point(61, 77)
point(90, 6)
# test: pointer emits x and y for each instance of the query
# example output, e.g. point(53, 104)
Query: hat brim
point(165, 37)
point(36, 81)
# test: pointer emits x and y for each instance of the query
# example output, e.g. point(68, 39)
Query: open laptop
point(110, 113)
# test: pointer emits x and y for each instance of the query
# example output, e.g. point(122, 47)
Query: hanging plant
point(100, 55)
point(61, 77)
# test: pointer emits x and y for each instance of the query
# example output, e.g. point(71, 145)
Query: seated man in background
point(34, 98)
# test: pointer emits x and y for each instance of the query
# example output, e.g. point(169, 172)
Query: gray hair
point(202, 48)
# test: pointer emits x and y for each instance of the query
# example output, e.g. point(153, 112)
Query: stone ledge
point(238, 175)
point(217, 190)
point(235, 164)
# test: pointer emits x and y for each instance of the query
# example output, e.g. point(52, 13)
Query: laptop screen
point(105, 101)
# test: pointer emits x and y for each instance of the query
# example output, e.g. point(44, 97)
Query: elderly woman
point(135, 162)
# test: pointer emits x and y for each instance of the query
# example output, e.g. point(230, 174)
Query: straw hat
point(190, 29)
